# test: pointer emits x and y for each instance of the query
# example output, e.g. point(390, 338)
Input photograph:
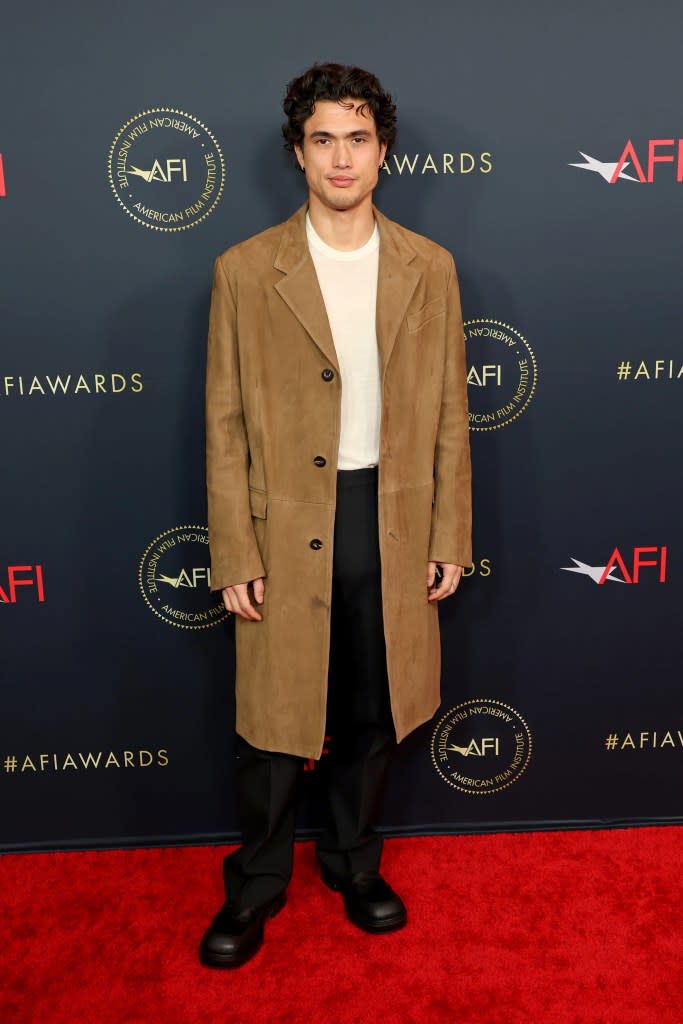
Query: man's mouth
point(341, 180)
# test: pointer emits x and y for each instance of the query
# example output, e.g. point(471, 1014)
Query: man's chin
point(344, 201)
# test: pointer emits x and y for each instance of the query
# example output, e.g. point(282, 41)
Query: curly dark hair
point(337, 82)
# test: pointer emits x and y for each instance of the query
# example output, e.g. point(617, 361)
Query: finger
point(451, 579)
point(457, 577)
point(442, 573)
point(259, 589)
point(244, 606)
point(446, 587)
point(234, 603)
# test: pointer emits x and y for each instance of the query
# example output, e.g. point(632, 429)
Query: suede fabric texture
point(273, 404)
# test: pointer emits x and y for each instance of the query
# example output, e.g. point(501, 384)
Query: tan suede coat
point(273, 397)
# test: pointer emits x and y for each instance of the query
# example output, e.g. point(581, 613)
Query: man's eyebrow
point(319, 134)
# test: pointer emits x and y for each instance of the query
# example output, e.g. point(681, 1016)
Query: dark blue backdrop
point(117, 706)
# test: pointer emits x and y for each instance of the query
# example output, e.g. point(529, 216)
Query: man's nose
point(342, 155)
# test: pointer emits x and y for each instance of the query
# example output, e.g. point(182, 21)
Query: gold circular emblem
point(166, 169)
point(501, 373)
point(175, 579)
point(481, 746)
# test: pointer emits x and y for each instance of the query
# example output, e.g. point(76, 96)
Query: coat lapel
point(300, 288)
point(396, 285)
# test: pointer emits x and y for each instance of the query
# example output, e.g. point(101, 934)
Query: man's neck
point(344, 230)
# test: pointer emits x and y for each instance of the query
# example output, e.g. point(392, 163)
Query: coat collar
point(299, 288)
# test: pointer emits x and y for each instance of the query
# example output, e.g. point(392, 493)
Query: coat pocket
point(423, 316)
point(258, 502)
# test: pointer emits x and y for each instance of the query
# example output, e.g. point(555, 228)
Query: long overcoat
point(273, 400)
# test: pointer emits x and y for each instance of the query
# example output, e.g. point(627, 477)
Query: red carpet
point(545, 928)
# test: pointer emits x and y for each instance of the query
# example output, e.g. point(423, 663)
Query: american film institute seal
point(175, 579)
point(501, 373)
point(166, 169)
point(481, 746)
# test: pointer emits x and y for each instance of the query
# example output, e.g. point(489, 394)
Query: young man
point(339, 501)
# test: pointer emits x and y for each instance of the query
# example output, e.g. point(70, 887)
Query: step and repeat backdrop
point(544, 148)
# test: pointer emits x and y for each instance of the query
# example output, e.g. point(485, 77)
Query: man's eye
point(359, 138)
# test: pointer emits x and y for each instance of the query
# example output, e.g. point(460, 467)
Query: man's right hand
point(236, 599)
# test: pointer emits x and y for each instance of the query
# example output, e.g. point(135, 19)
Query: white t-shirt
point(348, 282)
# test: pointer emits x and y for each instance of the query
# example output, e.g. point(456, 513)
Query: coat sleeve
point(450, 539)
point(234, 551)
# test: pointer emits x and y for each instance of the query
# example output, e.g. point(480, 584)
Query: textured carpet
point(547, 928)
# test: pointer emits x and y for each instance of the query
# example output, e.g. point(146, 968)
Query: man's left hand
point(438, 588)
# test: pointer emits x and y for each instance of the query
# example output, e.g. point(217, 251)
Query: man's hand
point(437, 588)
point(236, 599)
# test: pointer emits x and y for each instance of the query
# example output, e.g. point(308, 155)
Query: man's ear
point(299, 153)
point(382, 153)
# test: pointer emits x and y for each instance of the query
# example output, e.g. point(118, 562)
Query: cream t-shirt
point(348, 282)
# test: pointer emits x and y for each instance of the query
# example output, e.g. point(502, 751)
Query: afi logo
point(174, 166)
point(17, 577)
point(486, 744)
point(642, 558)
point(488, 372)
point(659, 151)
point(653, 157)
point(190, 578)
point(2, 177)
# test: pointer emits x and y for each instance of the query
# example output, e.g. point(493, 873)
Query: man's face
point(341, 154)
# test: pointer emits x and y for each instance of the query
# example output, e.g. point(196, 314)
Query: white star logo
point(606, 170)
point(594, 571)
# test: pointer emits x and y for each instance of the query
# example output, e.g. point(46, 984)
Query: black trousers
point(359, 723)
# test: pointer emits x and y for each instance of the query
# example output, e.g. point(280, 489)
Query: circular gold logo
point(481, 746)
point(175, 579)
point(166, 169)
point(501, 373)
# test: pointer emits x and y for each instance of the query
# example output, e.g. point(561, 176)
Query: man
point(339, 501)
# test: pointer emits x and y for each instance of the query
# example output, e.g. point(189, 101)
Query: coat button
point(316, 544)
point(320, 460)
point(327, 374)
